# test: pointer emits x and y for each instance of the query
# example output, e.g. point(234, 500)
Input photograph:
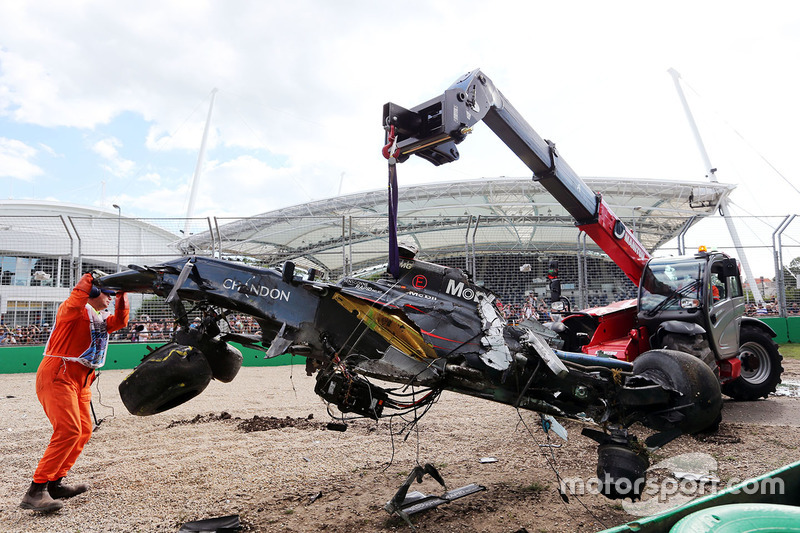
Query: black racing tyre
point(761, 366)
point(225, 360)
point(693, 379)
point(169, 376)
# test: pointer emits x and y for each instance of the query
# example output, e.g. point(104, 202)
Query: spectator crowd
point(142, 329)
point(145, 329)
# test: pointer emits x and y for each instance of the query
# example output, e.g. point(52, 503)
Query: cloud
point(115, 164)
point(246, 186)
point(150, 177)
point(16, 160)
point(301, 86)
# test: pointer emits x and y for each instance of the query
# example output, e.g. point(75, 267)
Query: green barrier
point(793, 323)
point(20, 359)
point(788, 329)
point(780, 326)
point(780, 486)
point(741, 518)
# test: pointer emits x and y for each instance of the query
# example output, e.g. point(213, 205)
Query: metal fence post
point(682, 235)
point(472, 260)
point(780, 284)
point(583, 273)
point(345, 243)
point(466, 245)
point(70, 282)
point(78, 265)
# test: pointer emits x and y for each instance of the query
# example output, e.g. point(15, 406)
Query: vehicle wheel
point(693, 379)
point(696, 345)
point(225, 360)
point(169, 376)
point(761, 366)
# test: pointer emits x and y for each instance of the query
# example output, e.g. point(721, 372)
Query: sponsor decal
point(257, 290)
point(458, 289)
point(635, 246)
point(365, 287)
point(360, 285)
point(421, 295)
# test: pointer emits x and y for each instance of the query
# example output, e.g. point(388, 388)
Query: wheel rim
point(755, 363)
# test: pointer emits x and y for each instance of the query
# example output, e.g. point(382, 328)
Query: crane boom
point(432, 129)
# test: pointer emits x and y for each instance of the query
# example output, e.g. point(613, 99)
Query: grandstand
point(503, 231)
point(488, 227)
point(45, 246)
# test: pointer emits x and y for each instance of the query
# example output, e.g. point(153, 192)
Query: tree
point(792, 273)
point(794, 265)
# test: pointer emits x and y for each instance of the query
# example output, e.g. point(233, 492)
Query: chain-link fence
point(41, 257)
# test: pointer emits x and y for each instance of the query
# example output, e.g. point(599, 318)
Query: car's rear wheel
point(699, 405)
point(169, 376)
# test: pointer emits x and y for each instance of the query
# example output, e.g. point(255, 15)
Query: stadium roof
point(43, 227)
point(502, 214)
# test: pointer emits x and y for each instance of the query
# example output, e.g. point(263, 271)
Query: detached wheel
point(761, 366)
point(225, 360)
point(169, 376)
point(699, 388)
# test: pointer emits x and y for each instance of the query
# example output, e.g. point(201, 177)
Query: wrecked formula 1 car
point(431, 329)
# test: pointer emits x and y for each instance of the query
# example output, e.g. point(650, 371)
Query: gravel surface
point(259, 447)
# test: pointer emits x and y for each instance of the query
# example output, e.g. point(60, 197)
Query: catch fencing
point(41, 258)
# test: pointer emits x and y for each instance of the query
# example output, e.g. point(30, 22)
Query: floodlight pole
point(711, 174)
point(119, 233)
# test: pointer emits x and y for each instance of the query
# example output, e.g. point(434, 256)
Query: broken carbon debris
point(691, 476)
point(221, 524)
point(404, 503)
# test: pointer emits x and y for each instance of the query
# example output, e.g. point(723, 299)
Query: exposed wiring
point(550, 459)
point(100, 402)
point(410, 425)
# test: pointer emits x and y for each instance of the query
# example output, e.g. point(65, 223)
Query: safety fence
point(24, 358)
point(42, 257)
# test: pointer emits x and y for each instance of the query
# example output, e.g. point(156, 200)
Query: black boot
point(59, 491)
point(38, 499)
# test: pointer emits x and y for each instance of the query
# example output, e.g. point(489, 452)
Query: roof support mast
point(711, 174)
point(199, 166)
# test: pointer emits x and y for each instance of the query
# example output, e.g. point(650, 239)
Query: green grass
point(790, 351)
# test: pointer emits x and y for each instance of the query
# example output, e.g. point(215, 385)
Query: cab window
point(718, 289)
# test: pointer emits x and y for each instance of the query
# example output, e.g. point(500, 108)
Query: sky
point(105, 103)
